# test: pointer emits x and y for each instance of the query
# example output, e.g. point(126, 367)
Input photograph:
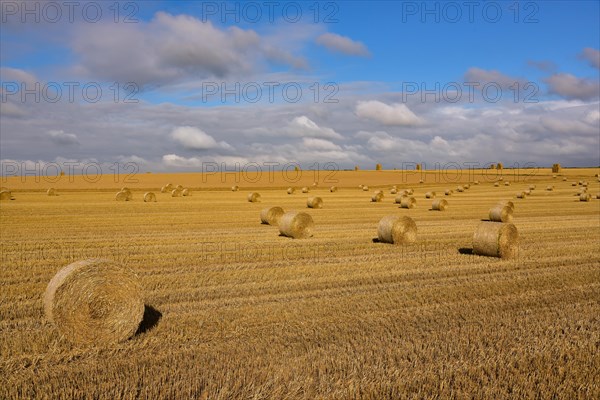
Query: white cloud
point(305, 127)
point(592, 56)
point(395, 114)
point(196, 139)
point(62, 138)
point(173, 160)
point(319, 144)
point(172, 48)
point(342, 44)
point(18, 75)
point(572, 87)
point(483, 77)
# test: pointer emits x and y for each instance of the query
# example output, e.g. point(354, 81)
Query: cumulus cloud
point(592, 56)
point(572, 87)
point(305, 127)
point(61, 138)
point(395, 114)
point(342, 44)
point(319, 144)
point(483, 76)
point(9, 109)
point(17, 75)
point(196, 139)
point(171, 48)
point(543, 65)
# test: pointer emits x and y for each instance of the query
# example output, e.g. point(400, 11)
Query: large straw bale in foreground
point(397, 230)
point(94, 302)
point(271, 215)
point(496, 239)
point(297, 225)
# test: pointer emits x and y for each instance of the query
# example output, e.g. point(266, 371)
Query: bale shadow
point(376, 240)
point(151, 318)
point(465, 250)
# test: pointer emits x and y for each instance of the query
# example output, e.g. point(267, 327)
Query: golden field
point(243, 313)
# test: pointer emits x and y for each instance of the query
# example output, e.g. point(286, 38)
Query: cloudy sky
point(172, 85)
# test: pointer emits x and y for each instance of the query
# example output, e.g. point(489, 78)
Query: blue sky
point(367, 52)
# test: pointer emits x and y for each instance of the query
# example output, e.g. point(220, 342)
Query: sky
point(175, 86)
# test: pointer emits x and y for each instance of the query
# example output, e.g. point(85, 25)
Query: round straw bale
point(553, 176)
point(573, 183)
point(397, 229)
point(585, 197)
point(365, 188)
point(94, 302)
point(6, 195)
point(149, 197)
point(169, 187)
point(521, 195)
point(476, 182)
point(254, 197)
point(527, 192)
point(598, 196)
point(500, 213)
point(395, 187)
point(468, 186)
point(51, 192)
point(421, 181)
point(235, 188)
point(460, 189)
point(439, 205)
point(360, 186)
point(495, 239)
point(501, 178)
point(128, 192)
point(580, 182)
point(186, 192)
point(410, 191)
point(398, 198)
point(179, 187)
point(531, 187)
point(430, 195)
point(333, 189)
point(271, 215)
point(496, 184)
point(585, 184)
point(297, 225)
point(305, 189)
point(163, 189)
point(393, 191)
point(448, 192)
point(291, 190)
point(176, 193)
point(122, 196)
point(408, 202)
point(314, 202)
point(550, 188)
point(506, 183)
point(506, 203)
point(315, 184)
point(377, 197)
point(564, 179)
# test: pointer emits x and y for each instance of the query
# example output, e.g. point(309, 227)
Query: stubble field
point(236, 311)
